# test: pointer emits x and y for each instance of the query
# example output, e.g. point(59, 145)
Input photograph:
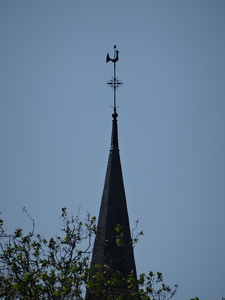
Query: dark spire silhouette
point(113, 210)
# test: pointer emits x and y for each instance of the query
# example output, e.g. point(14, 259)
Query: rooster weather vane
point(114, 83)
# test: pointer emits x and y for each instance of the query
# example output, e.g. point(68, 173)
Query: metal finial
point(114, 82)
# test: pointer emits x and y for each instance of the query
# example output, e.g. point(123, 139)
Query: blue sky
point(56, 124)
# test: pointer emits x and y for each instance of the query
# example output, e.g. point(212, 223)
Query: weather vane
point(114, 82)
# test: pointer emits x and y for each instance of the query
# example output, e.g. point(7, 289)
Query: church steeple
point(113, 212)
point(113, 216)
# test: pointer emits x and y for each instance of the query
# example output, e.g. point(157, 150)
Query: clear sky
point(56, 124)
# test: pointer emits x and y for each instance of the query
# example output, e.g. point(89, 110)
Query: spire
point(113, 217)
point(113, 213)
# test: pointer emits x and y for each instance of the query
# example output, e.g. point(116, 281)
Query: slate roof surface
point(113, 211)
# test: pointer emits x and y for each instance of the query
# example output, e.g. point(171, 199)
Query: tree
point(33, 267)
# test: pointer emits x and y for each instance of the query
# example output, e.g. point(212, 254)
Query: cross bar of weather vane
point(114, 83)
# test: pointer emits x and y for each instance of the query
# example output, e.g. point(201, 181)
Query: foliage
point(108, 284)
point(32, 267)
